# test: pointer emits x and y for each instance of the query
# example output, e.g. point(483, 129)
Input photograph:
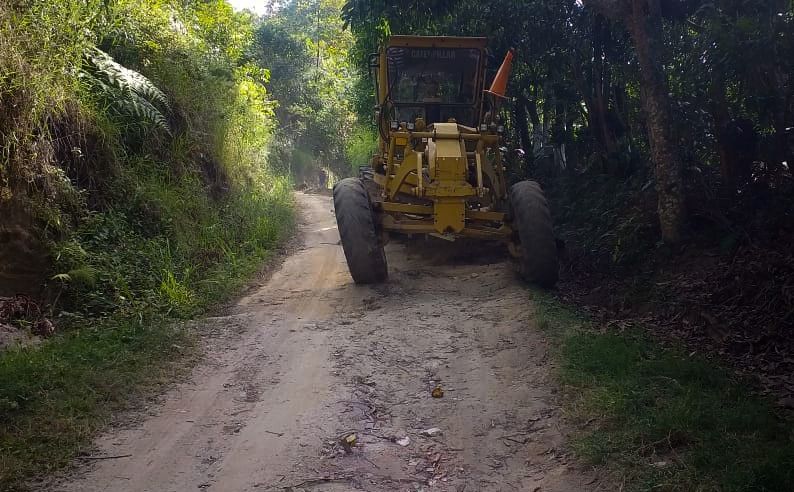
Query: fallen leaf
point(349, 442)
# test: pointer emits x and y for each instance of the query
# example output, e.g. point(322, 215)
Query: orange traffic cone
point(499, 84)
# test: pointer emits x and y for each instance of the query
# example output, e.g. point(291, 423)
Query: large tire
point(357, 229)
point(537, 262)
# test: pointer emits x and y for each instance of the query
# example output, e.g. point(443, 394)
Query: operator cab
point(436, 79)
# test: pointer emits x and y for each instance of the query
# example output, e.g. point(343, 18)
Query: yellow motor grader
point(439, 168)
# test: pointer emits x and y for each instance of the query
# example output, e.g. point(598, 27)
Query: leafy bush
point(361, 146)
point(166, 127)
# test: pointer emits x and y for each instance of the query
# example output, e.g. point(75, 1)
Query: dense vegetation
point(313, 77)
point(135, 139)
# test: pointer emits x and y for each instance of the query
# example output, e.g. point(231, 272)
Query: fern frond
point(127, 92)
point(85, 275)
point(127, 79)
point(142, 109)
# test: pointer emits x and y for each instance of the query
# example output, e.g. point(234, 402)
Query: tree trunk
point(643, 19)
point(645, 27)
point(780, 116)
point(722, 117)
point(522, 128)
point(602, 86)
point(532, 109)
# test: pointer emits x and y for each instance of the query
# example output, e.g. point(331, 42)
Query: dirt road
point(309, 358)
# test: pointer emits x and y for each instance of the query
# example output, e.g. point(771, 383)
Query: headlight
point(500, 129)
point(410, 127)
point(394, 125)
point(483, 128)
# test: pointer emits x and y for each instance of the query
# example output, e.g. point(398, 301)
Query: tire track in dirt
point(310, 358)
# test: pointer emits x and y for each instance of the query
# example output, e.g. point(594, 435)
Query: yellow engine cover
point(448, 168)
point(447, 156)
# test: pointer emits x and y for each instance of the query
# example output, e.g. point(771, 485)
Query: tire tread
point(358, 233)
point(538, 263)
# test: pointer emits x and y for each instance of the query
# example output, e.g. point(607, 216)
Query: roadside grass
point(661, 420)
point(121, 341)
point(54, 398)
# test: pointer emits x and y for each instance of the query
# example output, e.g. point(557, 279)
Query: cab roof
point(437, 42)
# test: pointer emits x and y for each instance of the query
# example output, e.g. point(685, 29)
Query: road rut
point(309, 359)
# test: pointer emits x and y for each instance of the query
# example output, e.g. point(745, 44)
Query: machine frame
point(448, 179)
point(435, 175)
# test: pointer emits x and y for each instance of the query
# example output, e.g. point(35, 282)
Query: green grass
point(120, 342)
point(55, 397)
point(171, 246)
point(360, 147)
point(661, 420)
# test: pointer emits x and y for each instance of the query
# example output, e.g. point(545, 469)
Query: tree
point(643, 19)
point(629, 88)
point(306, 49)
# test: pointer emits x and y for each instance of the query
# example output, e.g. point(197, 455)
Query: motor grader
point(439, 168)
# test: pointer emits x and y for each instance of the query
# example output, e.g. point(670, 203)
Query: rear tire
point(361, 242)
point(537, 262)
